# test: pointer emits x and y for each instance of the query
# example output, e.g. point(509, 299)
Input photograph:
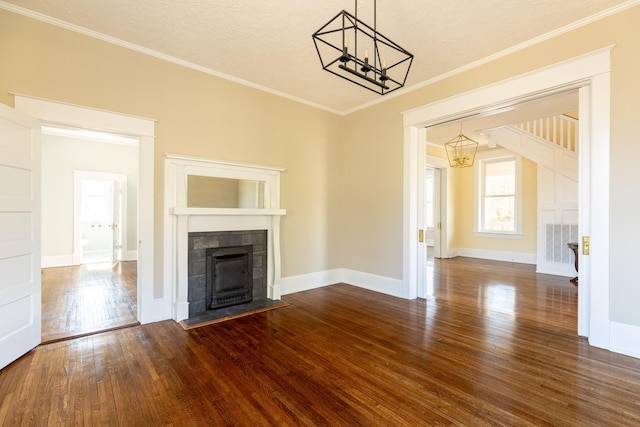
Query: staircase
point(552, 143)
point(560, 130)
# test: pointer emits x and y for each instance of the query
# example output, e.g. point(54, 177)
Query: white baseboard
point(66, 260)
point(519, 257)
point(305, 282)
point(564, 270)
point(160, 309)
point(182, 310)
point(625, 339)
point(56, 261)
point(373, 282)
point(130, 256)
point(452, 253)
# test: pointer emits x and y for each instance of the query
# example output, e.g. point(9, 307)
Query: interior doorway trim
point(150, 308)
point(591, 74)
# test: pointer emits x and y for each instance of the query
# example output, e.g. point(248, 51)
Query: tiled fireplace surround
point(199, 242)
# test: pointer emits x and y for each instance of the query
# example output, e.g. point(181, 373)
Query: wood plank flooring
point(84, 299)
point(495, 345)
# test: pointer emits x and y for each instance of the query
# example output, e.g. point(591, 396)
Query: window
point(499, 196)
point(499, 188)
point(97, 200)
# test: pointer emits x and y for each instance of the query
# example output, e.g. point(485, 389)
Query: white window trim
point(491, 156)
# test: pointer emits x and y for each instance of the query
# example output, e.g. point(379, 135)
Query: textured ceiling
point(268, 44)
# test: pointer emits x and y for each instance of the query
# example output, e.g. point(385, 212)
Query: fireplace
point(226, 268)
point(192, 227)
point(229, 276)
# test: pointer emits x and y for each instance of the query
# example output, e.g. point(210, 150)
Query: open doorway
point(588, 73)
point(431, 197)
point(89, 232)
point(517, 199)
point(153, 301)
point(435, 219)
point(503, 246)
point(436, 207)
point(100, 217)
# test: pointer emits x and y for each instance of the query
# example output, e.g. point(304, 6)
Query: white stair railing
point(560, 130)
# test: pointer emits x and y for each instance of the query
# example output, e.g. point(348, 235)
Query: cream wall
point(197, 115)
point(369, 193)
point(380, 127)
point(60, 157)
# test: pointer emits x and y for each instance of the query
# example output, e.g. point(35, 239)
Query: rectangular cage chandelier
point(351, 49)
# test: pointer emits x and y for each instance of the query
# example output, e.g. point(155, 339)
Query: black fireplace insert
point(229, 276)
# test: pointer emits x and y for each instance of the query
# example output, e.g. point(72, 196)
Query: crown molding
point(145, 51)
point(140, 49)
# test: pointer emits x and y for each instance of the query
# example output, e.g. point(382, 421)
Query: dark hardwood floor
point(88, 298)
point(495, 345)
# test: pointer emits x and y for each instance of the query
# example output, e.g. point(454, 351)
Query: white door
point(100, 201)
point(97, 220)
point(20, 279)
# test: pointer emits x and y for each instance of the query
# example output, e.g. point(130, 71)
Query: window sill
point(498, 235)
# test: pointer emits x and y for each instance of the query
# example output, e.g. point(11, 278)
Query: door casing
point(151, 308)
point(590, 73)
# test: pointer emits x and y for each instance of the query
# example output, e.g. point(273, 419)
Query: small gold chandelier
point(461, 151)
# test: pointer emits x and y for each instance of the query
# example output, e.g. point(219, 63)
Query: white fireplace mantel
point(180, 220)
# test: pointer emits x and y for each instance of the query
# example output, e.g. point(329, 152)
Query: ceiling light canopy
point(353, 50)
